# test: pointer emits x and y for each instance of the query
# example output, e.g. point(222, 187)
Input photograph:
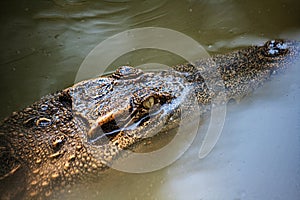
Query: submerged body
point(73, 135)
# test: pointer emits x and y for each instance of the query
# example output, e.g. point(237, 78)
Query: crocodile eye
point(275, 48)
point(148, 103)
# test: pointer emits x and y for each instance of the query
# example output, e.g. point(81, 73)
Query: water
point(258, 154)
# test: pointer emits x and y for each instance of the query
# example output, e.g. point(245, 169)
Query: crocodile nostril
point(275, 48)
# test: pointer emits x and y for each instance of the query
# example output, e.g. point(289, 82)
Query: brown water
point(43, 44)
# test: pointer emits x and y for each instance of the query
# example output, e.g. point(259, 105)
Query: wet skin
point(73, 135)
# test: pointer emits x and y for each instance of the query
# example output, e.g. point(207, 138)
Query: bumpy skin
point(73, 135)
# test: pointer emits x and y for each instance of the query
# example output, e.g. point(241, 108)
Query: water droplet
point(43, 122)
point(44, 107)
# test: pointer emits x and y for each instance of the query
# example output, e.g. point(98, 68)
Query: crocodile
point(75, 134)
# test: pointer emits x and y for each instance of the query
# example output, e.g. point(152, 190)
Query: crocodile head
point(130, 104)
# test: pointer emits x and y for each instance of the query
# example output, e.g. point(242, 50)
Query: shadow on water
point(257, 157)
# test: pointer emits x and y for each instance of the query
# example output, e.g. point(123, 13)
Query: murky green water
point(43, 44)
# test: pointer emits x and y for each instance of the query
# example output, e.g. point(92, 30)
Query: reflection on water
point(258, 155)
